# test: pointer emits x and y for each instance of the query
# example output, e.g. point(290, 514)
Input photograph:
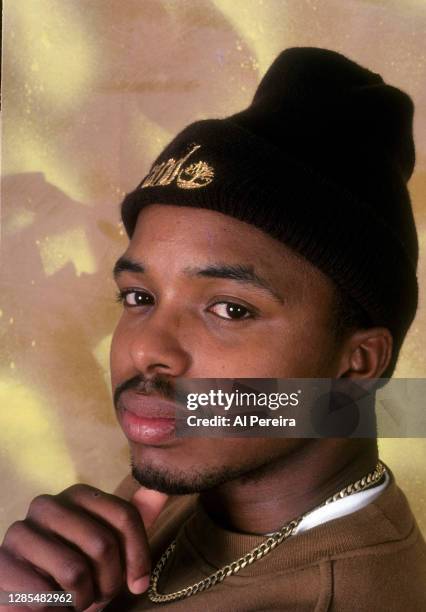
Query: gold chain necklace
point(273, 540)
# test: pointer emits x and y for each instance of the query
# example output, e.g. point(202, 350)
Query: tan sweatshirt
point(371, 560)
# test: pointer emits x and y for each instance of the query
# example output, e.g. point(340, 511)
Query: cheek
point(282, 350)
point(275, 351)
point(119, 357)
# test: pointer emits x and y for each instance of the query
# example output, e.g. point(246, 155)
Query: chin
point(169, 479)
point(176, 482)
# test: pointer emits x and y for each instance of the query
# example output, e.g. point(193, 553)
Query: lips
point(146, 419)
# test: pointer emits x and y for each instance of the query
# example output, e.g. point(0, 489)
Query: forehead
point(180, 236)
point(204, 231)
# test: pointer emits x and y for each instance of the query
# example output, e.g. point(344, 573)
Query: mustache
point(159, 385)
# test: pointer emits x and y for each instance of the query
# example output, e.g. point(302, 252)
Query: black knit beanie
point(320, 161)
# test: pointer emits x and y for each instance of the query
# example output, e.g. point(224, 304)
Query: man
point(276, 243)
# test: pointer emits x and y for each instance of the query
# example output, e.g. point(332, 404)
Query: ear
point(366, 353)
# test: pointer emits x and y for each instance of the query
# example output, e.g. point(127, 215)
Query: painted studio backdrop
point(92, 91)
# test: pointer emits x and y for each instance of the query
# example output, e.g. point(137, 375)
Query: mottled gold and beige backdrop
point(92, 90)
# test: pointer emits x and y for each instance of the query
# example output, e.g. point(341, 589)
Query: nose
point(155, 348)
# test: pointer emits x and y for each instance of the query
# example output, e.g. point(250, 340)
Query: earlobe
point(367, 353)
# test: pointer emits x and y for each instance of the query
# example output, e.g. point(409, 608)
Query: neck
point(266, 499)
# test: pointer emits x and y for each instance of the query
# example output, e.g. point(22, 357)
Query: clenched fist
point(81, 540)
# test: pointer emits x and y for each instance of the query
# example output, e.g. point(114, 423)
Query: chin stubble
point(179, 482)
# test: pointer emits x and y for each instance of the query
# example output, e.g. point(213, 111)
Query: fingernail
point(139, 585)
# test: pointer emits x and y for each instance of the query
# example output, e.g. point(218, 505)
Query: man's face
point(208, 296)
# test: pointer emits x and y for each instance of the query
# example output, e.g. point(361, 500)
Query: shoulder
point(387, 578)
point(387, 570)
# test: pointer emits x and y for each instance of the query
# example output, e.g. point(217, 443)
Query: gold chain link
point(272, 541)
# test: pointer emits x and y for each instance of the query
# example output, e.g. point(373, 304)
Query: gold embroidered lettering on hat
point(197, 174)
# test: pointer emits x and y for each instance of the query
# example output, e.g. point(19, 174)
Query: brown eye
point(135, 298)
point(230, 311)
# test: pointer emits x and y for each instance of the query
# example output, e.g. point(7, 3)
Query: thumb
point(149, 504)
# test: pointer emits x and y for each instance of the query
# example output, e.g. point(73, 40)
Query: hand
point(81, 540)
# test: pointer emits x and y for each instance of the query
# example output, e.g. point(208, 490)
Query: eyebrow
point(236, 272)
point(125, 264)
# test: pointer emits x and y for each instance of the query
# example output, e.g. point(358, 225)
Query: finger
point(96, 607)
point(18, 576)
point(23, 609)
point(68, 568)
point(149, 504)
point(125, 519)
point(93, 538)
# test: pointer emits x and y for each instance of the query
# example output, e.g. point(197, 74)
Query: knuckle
point(39, 504)
point(15, 532)
point(7, 559)
point(76, 490)
point(103, 546)
point(73, 574)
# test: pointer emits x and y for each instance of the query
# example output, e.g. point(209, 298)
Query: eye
point(133, 297)
point(231, 311)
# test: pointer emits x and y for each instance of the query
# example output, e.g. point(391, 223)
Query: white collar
point(341, 507)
